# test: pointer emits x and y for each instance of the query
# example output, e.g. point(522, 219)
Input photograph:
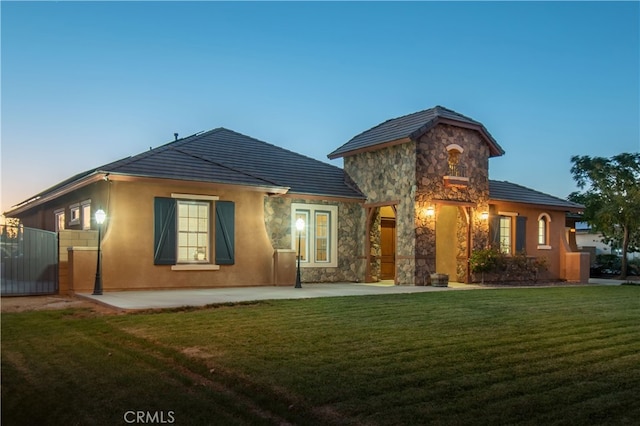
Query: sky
point(87, 83)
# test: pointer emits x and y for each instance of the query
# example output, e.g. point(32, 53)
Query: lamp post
point(299, 227)
point(97, 286)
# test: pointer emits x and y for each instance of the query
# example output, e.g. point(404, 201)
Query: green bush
point(500, 267)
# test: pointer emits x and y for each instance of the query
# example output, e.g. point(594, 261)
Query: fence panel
point(29, 261)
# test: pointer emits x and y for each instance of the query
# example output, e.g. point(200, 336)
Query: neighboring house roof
point(224, 156)
point(412, 127)
point(507, 191)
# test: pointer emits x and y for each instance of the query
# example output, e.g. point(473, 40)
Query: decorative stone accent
point(385, 176)
point(277, 212)
point(432, 164)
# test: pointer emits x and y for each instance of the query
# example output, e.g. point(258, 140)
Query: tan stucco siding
point(552, 254)
point(128, 242)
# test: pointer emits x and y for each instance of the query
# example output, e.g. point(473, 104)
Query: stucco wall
point(277, 222)
point(128, 241)
point(557, 234)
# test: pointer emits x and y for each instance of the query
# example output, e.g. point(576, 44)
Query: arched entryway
point(453, 241)
point(387, 243)
point(381, 242)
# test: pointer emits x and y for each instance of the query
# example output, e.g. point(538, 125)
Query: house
point(218, 209)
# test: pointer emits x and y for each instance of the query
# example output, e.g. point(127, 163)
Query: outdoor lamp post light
point(299, 227)
point(97, 286)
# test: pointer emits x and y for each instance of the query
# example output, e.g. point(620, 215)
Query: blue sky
point(84, 84)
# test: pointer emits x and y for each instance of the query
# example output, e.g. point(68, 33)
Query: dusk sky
point(84, 84)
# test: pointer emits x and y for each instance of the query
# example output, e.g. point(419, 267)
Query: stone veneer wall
point(431, 167)
point(277, 214)
point(383, 176)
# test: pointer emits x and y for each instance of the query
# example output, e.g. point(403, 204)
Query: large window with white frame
point(193, 231)
point(319, 238)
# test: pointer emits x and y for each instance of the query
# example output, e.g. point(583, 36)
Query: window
point(509, 232)
point(544, 222)
point(86, 214)
point(319, 238)
point(74, 214)
point(59, 215)
point(193, 231)
point(183, 227)
point(505, 234)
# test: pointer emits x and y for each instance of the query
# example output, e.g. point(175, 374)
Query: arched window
point(543, 231)
point(455, 169)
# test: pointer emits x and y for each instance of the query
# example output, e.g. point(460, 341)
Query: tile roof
point(224, 156)
point(413, 126)
point(507, 191)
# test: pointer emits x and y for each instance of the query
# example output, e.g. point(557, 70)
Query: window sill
point(545, 247)
point(195, 267)
point(458, 181)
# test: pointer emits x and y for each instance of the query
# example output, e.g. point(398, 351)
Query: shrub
point(506, 268)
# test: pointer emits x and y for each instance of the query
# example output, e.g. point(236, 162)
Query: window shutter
point(164, 236)
point(521, 234)
point(225, 232)
point(494, 231)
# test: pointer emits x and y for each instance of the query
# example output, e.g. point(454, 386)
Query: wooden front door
point(388, 249)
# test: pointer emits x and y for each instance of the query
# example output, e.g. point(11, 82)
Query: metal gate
point(29, 261)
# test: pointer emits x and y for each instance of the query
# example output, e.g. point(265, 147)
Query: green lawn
point(510, 356)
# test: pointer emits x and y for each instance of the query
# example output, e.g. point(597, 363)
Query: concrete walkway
point(155, 299)
point(158, 299)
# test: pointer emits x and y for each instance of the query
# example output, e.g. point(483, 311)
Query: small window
point(544, 222)
point(505, 234)
point(74, 214)
point(59, 215)
point(86, 214)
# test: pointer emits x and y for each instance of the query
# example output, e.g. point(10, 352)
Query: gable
point(412, 127)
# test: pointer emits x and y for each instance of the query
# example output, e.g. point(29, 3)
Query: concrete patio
point(157, 299)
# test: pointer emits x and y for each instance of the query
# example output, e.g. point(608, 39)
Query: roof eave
point(38, 200)
point(566, 208)
point(375, 147)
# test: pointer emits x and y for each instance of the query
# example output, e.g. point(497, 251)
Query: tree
point(611, 197)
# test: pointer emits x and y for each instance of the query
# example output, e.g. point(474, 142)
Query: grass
point(509, 356)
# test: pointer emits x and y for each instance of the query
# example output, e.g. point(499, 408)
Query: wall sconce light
point(431, 211)
point(484, 215)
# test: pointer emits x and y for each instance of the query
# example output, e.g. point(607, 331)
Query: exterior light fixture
point(97, 286)
point(431, 211)
point(484, 215)
point(299, 227)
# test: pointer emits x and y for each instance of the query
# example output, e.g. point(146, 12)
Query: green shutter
point(225, 233)
point(521, 234)
point(164, 226)
point(494, 231)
